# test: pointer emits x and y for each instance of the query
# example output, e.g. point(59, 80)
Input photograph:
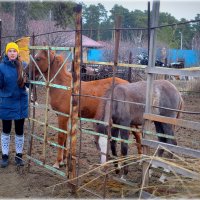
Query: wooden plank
point(174, 121)
point(172, 167)
point(176, 149)
point(171, 71)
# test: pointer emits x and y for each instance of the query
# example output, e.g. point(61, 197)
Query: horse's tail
point(102, 113)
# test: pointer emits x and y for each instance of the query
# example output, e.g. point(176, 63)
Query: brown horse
point(165, 95)
point(60, 99)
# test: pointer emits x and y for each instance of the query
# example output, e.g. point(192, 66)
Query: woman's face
point(12, 54)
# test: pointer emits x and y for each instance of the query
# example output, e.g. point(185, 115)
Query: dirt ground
point(42, 183)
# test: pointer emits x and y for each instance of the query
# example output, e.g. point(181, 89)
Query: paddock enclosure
point(83, 177)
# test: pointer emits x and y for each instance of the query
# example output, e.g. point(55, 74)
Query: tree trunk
point(21, 18)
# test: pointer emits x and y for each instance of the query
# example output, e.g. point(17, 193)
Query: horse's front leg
point(62, 141)
point(124, 147)
point(137, 136)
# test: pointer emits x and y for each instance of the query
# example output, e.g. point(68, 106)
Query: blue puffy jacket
point(13, 99)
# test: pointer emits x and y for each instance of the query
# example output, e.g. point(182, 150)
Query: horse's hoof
point(56, 165)
point(122, 178)
point(61, 164)
point(160, 152)
point(125, 170)
point(117, 171)
point(170, 155)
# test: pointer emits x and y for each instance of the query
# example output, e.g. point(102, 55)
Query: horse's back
point(165, 95)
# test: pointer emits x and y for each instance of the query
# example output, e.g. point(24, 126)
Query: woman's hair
point(20, 79)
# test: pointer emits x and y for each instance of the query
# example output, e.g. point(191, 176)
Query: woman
point(13, 103)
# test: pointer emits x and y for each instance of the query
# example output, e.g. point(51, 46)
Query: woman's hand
point(25, 77)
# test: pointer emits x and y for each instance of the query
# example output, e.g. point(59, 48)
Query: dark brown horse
point(60, 99)
point(165, 95)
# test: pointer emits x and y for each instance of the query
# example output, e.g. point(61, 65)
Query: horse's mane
point(59, 59)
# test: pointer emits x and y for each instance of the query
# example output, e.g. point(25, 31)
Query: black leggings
point(19, 126)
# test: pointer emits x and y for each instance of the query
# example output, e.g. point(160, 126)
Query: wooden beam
point(178, 169)
point(171, 71)
point(174, 121)
point(176, 149)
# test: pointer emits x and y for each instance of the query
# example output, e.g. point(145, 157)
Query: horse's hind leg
point(165, 129)
point(159, 129)
point(124, 147)
point(114, 133)
point(169, 130)
point(137, 136)
point(62, 137)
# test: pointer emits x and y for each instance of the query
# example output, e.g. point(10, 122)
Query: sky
point(177, 8)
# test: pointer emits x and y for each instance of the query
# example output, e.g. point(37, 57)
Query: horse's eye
point(37, 59)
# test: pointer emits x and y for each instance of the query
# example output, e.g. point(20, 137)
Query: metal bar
point(50, 85)
point(49, 142)
point(40, 106)
point(33, 60)
point(49, 48)
point(161, 26)
point(118, 64)
point(58, 129)
point(46, 166)
point(63, 64)
point(53, 127)
point(159, 134)
point(103, 135)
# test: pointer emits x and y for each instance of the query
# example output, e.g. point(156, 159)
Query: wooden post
point(75, 92)
point(151, 63)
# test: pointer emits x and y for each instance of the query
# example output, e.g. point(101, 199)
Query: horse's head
point(42, 60)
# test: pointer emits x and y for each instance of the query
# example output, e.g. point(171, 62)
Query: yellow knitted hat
point(12, 45)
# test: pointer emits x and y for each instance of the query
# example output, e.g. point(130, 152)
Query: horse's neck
point(62, 78)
